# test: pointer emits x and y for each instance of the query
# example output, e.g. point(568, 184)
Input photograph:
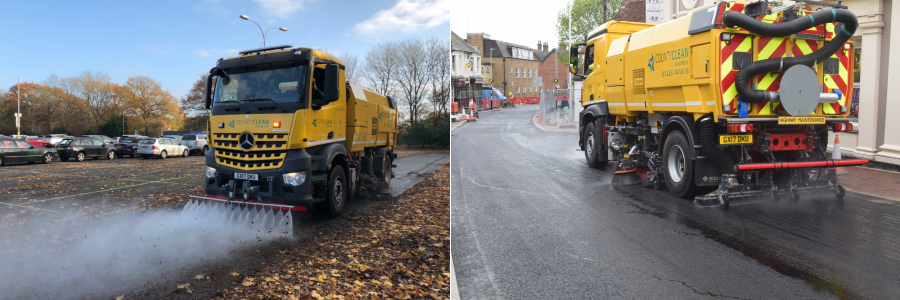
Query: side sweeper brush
point(261, 218)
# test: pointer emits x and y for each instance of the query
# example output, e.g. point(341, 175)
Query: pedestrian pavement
point(553, 127)
point(873, 182)
point(453, 125)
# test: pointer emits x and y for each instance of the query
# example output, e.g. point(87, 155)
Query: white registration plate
point(246, 176)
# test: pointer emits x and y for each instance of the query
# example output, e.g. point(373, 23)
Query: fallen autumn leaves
point(395, 249)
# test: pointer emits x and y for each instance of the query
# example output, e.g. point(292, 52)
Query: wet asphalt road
point(531, 221)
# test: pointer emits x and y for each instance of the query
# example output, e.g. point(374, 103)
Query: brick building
point(465, 72)
point(512, 67)
point(550, 68)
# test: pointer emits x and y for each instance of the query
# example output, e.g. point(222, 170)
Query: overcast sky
point(520, 22)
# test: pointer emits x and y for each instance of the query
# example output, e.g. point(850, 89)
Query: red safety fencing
point(454, 107)
point(497, 103)
point(524, 100)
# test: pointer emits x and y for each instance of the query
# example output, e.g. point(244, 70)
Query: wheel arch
point(685, 124)
point(590, 114)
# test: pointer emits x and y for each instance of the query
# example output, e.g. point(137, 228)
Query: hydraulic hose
point(708, 138)
point(847, 22)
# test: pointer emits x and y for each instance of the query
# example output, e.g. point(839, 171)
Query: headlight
point(210, 172)
point(294, 179)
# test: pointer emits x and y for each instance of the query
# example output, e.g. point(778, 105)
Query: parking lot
point(96, 186)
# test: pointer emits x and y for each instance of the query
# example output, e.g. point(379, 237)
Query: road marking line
point(100, 191)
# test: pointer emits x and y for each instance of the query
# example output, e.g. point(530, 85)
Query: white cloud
point(407, 16)
point(281, 9)
point(215, 52)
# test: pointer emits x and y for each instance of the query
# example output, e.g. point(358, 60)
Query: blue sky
point(174, 41)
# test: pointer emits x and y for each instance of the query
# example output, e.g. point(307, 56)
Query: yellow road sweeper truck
point(287, 132)
point(732, 100)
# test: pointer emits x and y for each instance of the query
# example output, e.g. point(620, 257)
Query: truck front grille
point(268, 152)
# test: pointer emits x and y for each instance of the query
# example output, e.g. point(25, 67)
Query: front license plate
point(800, 120)
point(728, 139)
point(246, 176)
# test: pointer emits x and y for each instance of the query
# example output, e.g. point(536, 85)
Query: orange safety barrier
point(454, 107)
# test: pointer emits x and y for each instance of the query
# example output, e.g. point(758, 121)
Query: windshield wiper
point(238, 103)
point(264, 107)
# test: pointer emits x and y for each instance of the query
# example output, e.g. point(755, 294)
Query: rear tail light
point(154, 148)
point(838, 127)
point(70, 148)
point(740, 128)
point(196, 142)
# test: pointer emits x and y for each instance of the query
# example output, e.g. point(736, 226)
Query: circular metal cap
point(800, 91)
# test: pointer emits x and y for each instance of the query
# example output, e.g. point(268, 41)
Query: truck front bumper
point(270, 183)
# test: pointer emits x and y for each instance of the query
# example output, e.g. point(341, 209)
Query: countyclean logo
point(314, 123)
point(231, 124)
point(650, 64)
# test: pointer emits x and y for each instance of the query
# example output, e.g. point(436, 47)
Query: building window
point(517, 90)
point(510, 70)
point(517, 72)
point(511, 83)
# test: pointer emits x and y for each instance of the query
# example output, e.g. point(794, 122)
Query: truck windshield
point(266, 83)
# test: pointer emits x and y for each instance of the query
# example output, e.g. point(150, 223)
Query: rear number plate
point(727, 139)
point(60, 148)
point(118, 147)
point(246, 176)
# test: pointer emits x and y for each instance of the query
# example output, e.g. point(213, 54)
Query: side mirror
point(208, 98)
point(573, 59)
point(332, 92)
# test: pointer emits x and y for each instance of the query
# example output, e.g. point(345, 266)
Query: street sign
point(556, 80)
point(538, 81)
point(18, 115)
point(491, 80)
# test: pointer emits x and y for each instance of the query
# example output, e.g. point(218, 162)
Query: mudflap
point(706, 172)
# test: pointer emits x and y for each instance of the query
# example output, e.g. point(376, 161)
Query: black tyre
point(162, 155)
point(678, 168)
point(1, 161)
point(185, 153)
point(111, 155)
point(593, 147)
point(386, 172)
point(205, 148)
point(337, 192)
point(80, 157)
point(48, 158)
point(64, 158)
point(134, 153)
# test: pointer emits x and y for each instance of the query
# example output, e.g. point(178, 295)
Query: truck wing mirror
point(332, 92)
point(573, 59)
point(208, 98)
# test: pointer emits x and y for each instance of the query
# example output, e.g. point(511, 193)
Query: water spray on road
point(53, 257)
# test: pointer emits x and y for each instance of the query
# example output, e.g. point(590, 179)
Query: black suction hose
point(708, 140)
point(848, 25)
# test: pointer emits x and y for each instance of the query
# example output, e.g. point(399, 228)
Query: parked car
point(51, 140)
point(15, 151)
point(102, 138)
point(128, 146)
point(36, 141)
point(177, 138)
point(161, 147)
point(83, 147)
point(196, 143)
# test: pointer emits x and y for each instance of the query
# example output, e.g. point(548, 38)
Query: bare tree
point(439, 69)
point(412, 75)
point(95, 88)
point(380, 65)
point(352, 69)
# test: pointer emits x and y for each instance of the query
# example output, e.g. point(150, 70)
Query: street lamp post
point(245, 17)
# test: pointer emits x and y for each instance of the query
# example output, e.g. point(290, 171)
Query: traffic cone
point(836, 154)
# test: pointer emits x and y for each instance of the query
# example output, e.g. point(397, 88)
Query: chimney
point(539, 45)
point(545, 47)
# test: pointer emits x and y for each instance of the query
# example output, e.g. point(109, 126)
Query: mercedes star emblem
point(247, 117)
point(246, 141)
